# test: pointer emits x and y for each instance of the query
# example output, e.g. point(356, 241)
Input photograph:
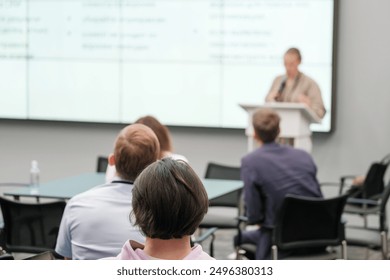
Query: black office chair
point(218, 171)
point(224, 218)
point(305, 223)
point(371, 191)
point(31, 227)
point(223, 211)
point(102, 163)
point(5, 186)
point(307, 228)
point(373, 237)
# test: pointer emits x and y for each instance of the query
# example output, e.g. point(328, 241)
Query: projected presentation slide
point(188, 63)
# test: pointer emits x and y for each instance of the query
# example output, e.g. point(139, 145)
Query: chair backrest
point(219, 171)
point(382, 208)
point(305, 222)
point(374, 182)
point(11, 185)
point(102, 163)
point(31, 227)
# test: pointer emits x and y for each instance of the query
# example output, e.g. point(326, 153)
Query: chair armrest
point(345, 177)
point(209, 233)
point(330, 184)
point(242, 222)
point(343, 180)
point(242, 219)
point(363, 201)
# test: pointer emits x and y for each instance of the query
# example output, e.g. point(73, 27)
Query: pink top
point(132, 250)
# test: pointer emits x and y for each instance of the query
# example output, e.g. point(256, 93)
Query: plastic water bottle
point(34, 177)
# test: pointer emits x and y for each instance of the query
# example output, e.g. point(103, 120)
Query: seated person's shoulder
point(88, 196)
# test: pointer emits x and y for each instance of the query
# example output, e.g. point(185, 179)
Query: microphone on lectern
point(280, 90)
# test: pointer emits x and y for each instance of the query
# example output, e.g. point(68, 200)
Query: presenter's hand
point(304, 99)
point(271, 97)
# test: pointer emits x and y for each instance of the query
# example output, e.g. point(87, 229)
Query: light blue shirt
point(96, 224)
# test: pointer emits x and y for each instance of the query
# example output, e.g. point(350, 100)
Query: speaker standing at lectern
point(294, 86)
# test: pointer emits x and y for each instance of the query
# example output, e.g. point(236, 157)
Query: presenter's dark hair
point(161, 132)
point(266, 125)
point(169, 200)
point(135, 148)
point(296, 52)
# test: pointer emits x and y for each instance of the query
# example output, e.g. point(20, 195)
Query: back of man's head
point(266, 125)
point(135, 148)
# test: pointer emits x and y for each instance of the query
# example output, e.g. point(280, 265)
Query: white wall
point(363, 93)
point(362, 131)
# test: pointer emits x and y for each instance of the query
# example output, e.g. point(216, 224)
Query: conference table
point(68, 187)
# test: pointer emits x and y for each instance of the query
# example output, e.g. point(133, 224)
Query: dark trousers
point(261, 238)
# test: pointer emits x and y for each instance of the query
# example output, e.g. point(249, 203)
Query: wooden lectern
point(295, 120)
